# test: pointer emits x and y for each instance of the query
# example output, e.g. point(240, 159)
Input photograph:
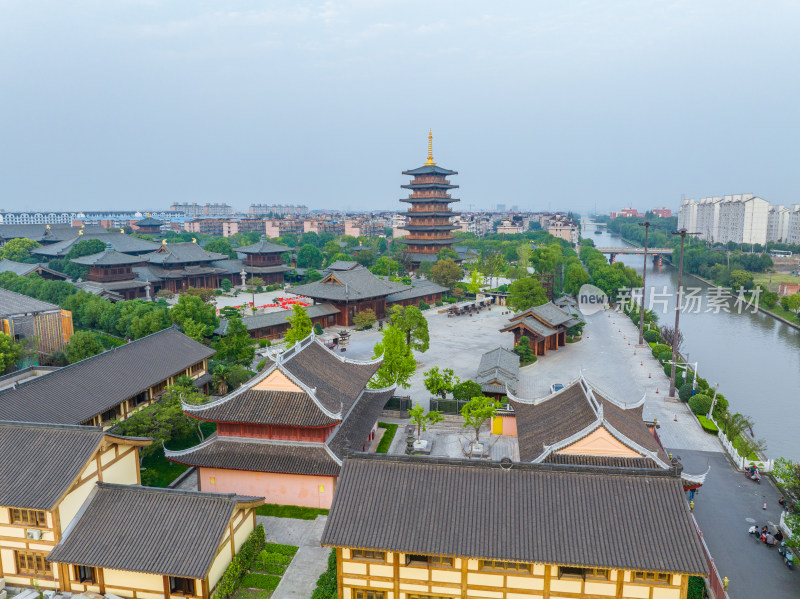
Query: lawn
point(388, 437)
point(268, 567)
point(772, 280)
point(290, 511)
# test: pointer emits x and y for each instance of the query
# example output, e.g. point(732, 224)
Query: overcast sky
point(126, 104)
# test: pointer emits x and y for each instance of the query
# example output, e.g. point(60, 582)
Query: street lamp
point(646, 225)
point(683, 233)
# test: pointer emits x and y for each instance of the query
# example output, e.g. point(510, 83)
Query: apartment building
point(280, 210)
point(195, 210)
point(740, 218)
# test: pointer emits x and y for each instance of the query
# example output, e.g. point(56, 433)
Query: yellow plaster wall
point(124, 471)
point(121, 579)
point(70, 505)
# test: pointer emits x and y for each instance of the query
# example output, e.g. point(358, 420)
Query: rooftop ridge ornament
point(430, 161)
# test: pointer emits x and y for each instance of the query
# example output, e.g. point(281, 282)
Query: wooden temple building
point(273, 325)
point(111, 276)
point(429, 227)
point(350, 288)
point(178, 266)
point(283, 434)
point(413, 526)
point(498, 373)
point(119, 242)
point(148, 226)
point(22, 269)
point(111, 385)
point(265, 260)
point(545, 326)
point(580, 425)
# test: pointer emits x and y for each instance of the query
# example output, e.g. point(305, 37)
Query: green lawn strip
point(707, 425)
point(266, 582)
point(289, 550)
point(743, 449)
point(290, 511)
point(388, 436)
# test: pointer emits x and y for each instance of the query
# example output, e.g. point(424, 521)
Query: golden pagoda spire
point(430, 161)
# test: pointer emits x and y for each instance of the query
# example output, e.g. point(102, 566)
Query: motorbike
point(787, 555)
point(753, 474)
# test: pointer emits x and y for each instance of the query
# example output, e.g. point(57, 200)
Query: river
point(754, 357)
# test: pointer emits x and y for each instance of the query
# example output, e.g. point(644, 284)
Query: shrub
point(241, 563)
point(289, 550)
point(720, 407)
point(262, 342)
point(685, 392)
point(388, 436)
point(318, 328)
point(423, 306)
point(665, 356)
point(327, 587)
point(660, 347)
point(702, 383)
point(271, 557)
point(697, 588)
point(278, 569)
point(700, 404)
point(440, 303)
point(266, 582)
point(261, 364)
point(218, 292)
point(707, 425)
point(652, 336)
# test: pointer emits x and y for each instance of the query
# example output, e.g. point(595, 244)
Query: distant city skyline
point(563, 106)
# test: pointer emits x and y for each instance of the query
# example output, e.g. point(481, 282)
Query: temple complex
point(429, 227)
point(178, 266)
point(261, 259)
point(283, 434)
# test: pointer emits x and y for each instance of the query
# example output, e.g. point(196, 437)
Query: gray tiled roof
point(348, 284)
point(43, 233)
point(531, 324)
point(107, 258)
point(233, 266)
point(551, 514)
point(120, 242)
point(343, 265)
point(12, 303)
point(178, 253)
point(498, 369)
point(149, 222)
point(260, 406)
point(263, 247)
point(549, 313)
point(270, 319)
point(568, 412)
point(419, 288)
point(76, 393)
point(260, 455)
point(38, 462)
point(18, 268)
point(143, 529)
point(359, 422)
point(429, 169)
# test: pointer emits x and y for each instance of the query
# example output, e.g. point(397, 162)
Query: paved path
point(310, 561)
point(725, 507)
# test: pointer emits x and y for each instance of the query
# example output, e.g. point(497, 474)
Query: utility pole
point(646, 225)
point(683, 233)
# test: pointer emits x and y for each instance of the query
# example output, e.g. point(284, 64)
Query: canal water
point(754, 357)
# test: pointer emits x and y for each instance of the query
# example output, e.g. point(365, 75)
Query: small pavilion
point(546, 327)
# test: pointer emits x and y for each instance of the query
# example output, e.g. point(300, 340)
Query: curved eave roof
point(408, 241)
point(429, 169)
point(429, 200)
point(429, 186)
point(429, 227)
point(421, 213)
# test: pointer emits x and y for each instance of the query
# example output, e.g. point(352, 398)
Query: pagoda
point(429, 227)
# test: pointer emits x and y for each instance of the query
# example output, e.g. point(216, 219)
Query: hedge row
point(241, 564)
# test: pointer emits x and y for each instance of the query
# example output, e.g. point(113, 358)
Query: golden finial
point(164, 241)
point(80, 231)
point(194, 239)
point(430, 161)
point(122, 231)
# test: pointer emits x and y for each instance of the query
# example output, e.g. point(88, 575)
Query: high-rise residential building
point(662, 212)
point(278, 210)
point(740, 218)
point(429, 227)
point(195, 210)
point(778, 223)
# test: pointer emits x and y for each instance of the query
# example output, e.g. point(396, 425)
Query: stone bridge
point(657, 253)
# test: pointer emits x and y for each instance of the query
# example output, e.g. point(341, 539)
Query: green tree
point(474, 285)
point(365, 257)
point(85, 247)
point(19, 250)
point(226, 285)
point(82, 345)
point(221, 373)
point(398, 362)
point(446, 273)
point(422, 420)
point(793, 302)
point(9, 353)
point(700, 404)
point(524, 351)
point(311, 238)
point(385, 266)
point(413, 323)
point(220, 245)
point(195, 330)
point(575, 277)
point(466, 390)
point(205, 294)
point(526, 293)
point(309, 257)
point(365, 318)
point(741, 279)
point(491, 264)
point(476, 412)
point(192, 309)
point(236, 346)
point(447, 253)
point(288, 239)
point(299, 325)
point(440, 382)
point(524, 255)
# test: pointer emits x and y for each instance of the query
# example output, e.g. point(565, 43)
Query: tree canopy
point(440, 382)
point(526, 293)
point(446, 273)
point(413, 323)
point(299, 325)
point(309, 256)
point(19, 250)
point(236, 346)
point(9, 352)
point(398, 362)
point(222, 246)
point(82, 345)
point(477, 411)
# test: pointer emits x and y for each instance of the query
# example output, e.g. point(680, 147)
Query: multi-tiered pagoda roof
point(429, 227)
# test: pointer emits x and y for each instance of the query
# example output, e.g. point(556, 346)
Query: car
point(556, 387)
